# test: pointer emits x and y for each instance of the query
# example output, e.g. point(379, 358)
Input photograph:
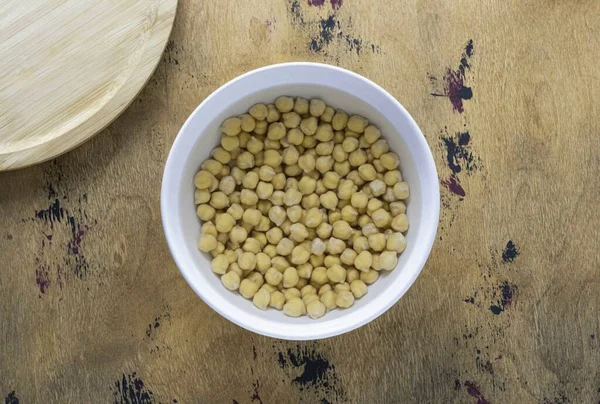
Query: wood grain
point(68, 68)
point(94, 309)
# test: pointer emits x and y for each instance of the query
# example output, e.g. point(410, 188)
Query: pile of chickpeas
point(302, 206)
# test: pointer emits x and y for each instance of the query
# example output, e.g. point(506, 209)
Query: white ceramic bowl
point(341, 89)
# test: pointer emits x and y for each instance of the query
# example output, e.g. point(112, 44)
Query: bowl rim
point(426, 240)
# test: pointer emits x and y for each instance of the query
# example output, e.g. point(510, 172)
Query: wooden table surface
point(93, 309)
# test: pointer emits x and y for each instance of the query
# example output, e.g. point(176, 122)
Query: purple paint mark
point(453, 185)
point(154, 325)
point(42, 276)
point(130, 389)
point(316, 3)
point(331, 30)
point(11, 398)
point(54, 213)
point(254, 352)
point(510, 252)
point(499, 357)
point(507, 293)
point(473, 391)
point(336, 4)
point(454, 86)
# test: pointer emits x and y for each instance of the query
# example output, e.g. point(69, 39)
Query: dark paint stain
point(473, 391)
point(171, 54)
point(316, 3)
point(131, 390)
point(453, 185)
point(506, 297)
point(254, 352)
point(54, 213)
point(454, 86)
point(154, 325)
point(235, 402)
point(560, 399)
point(255, 395)
point(317, 372)
point(335, 4)
point(484, 365)
point(510, 252)
point(457, 385)
point(11, 398)
point(9, 236)
point(326, 34)
point(296, 11)
point(470, 300)
point(459, 154)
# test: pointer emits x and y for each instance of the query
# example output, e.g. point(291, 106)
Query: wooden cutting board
point(70, 67)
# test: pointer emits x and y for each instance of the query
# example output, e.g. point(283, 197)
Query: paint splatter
point(316, 3)
point(453, 185)
point(473, 391)
point(11, 398)
point(131, 390)
point(561, 398)
point(154, 325)
point(42, 276)
point(459, 154)
point(454, 81)
point(336, 4)
point(510, 252)
point(317, 373)
point(507, 292)
point(255, 395)
point(57, 224)
point(459, 158)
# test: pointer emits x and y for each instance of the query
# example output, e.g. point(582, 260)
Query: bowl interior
point(353, 94)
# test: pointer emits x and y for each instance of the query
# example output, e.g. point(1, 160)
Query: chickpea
point(230, 143)
point(399, 223)
point(369, 277)
point(324, 230)
point(342, 168)
point(221, 155)
point(349, 214)
point(264, 206)
point(396, 242)
point(250, 180)
point(331, 260)
point(294, 308)
point(324, 133)
point(372, 134)
point(315, 309)
point(264, 190)
point(318, 247)
point(363, 261)
point(373, 205)
point(359, 200)
point(392, 177)
point(231, 280)
point(381, 218)
point(317, 107)
point(290, 277)
point(300, 255)
point(339, 120)
point(342, 230)
point(335, 246)
point(276, 131)
point(354, 176)
point(298, 232)
point(201, 196)
point(248, 288)
point(314, 218)
point(274, 235)
point(273, 277)
point(285, 227)
point(277, 300)
point(348, 256)
point(390, 161)
point(319, 276)
point(309, 142)
point(272, 113)
point(292, 197)
point(258, 112)
point(352, 274)
point(388, 260)
point(291, 120)
point(205, 212)
point(331, 180)
point(256, 278)
point(294, 213)
point(307, 185)
point(285, 246)
point(238, 234)
point(220, 264)
point(324, 148)
point(307, 162)
point(248, 122)
point(290, 155)
point(203, 179)
point(247, 261)
point(231, 126)
point(345, 190)
point(324, 164)
point(357, 123)
point(304, 270)
point(377, 187)
point(248, 197)
point(224, 222)
point(278, 181)
point(367, 172)
point(379, 148)
point(251, 245)
point(358, 288)
point(336, 274)
point(344, 299)
point(252, 216)
point(284, 104)
point(329, 200)
point(209, 228)
point(328, 298)
point(311, 201)
point(279, 263)
point(261, 299)
point(401, 190)
point(377, 241)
